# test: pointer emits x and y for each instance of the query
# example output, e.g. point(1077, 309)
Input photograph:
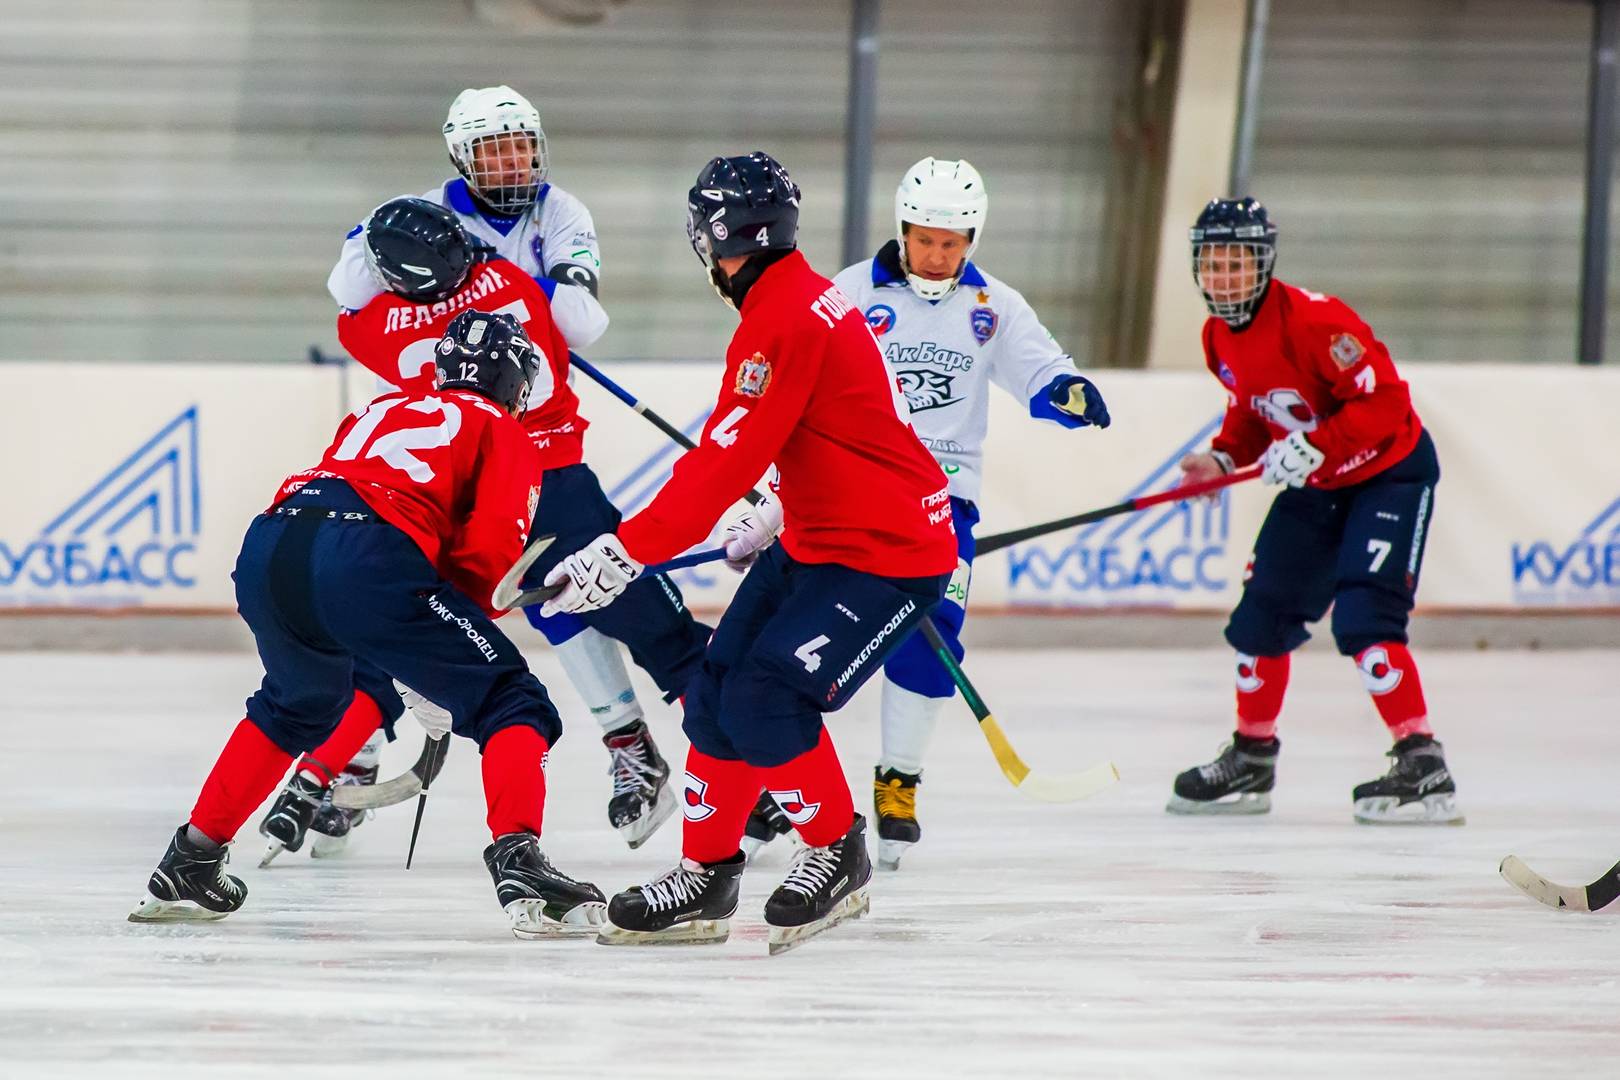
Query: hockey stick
point(1594, 897)
point(541, 593)
point(411, 782)
point(997, 541)
point(437, 748)
point(1054, 787)
point(1045, 788)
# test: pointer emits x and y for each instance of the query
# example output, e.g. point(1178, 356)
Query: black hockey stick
point(437, 748)
point(411, 782)
point(1594, 897)
point(997, 541)
point(1054, 789)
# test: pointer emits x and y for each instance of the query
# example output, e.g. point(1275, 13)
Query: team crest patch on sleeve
point(754, 376)
point(1347, 350)
point(1225, 375)
point(983, 320)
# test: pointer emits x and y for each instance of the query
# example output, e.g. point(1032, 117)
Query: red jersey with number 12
point(394, 338)
point(450, 470)
point(1308, 363)
point(806, 388)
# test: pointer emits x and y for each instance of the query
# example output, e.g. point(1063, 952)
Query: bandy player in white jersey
point(947, 330)
point(503, 199)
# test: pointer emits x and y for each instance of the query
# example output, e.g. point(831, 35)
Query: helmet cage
point(1255, 245)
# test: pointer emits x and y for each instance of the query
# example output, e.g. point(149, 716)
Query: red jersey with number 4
point(394, 338)
point(806, 388)
point(451, 470)
point(1308, 363)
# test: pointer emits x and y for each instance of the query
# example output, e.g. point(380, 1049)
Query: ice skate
point(691, 905)
point(1239, 781)
point(825, 886)
point(1417, 790)
point(190, 885)
point(540, 900)
point(894, 797)
point(765, 823)
point(287, 823)
point(642, 799)
point(332, 827)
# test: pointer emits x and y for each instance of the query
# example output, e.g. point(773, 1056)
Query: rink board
point(143, 478)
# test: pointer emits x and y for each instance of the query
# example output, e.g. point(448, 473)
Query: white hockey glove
point(435, 719)
point(751, 534)
point(592, 577)
point(1290, 460)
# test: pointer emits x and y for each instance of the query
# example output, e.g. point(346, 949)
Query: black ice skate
point(332, 827)
point(1417, 790)
point(894, 797)
point(765, 823)
point(691, 905)
point(1237, 782)
point(541, 900)
point(288, 821)
point(190, 884)
point(825, 886)
point(642, 799)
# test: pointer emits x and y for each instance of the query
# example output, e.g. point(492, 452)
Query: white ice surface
point(1020, 940)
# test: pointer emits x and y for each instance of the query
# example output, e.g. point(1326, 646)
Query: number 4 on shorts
point(807, 652)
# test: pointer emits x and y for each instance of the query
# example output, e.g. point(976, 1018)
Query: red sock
point(1391, 677)
point(812, 792)
point(359, 723)
point(248, 770)
point(1261, 683)
point(718, 798)
point(515, 780)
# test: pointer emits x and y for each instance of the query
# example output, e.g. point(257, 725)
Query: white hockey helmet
point(503, 118)
point(940, 194)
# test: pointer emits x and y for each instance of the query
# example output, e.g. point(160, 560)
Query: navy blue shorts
point(338, 599)
point(1358, 549)
point(914, 666)
point(797, 641)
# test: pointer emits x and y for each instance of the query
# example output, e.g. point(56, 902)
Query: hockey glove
point(592, 577)
point(1077, 397)
point(751, 534)
point(435, 719)
point(1290, 460)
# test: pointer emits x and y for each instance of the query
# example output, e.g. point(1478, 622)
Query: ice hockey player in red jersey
point(387, 554)
point(433, 270)
point(866, 550)
point(1315, 398)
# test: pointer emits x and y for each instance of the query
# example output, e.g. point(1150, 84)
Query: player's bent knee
point(915, 667)
point(1364, 615)
point(1257, 629)
point(516, 699)
point(557, 629)
point(767, 722)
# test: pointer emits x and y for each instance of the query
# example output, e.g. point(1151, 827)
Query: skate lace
point(677, 887)
point(894, 799)
point(223, 882)
point(1222, 768)
point(812, 871)
point(629, 767)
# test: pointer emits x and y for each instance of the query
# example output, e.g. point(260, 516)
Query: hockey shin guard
point(248, 770)
point(718, 798)
point(515, 780)
point(1391, 677)
point(812, 792)
point(360, 722)
point(1261, 683)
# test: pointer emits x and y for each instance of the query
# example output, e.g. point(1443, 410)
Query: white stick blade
point(507, 589)
point(1069, 787)
point(1521, 877)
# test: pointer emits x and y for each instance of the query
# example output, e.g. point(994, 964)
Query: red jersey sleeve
point(405, 364)
point(504, 491)
point(1377, 402)
point(1243, 435)
point(762, 396)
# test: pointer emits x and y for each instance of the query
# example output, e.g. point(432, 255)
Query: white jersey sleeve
point(569, 255)
point(351, 282)
point(1026, 358)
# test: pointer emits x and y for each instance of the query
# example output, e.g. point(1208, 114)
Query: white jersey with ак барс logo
point(557, 232)
point(945, 355)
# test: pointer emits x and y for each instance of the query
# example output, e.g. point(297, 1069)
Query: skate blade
point(639, 831)
point(276, 848)
point(1249, 802)
point(1429, 810)
point(327, 847)
point(153, 910)
point(851, 907)
point(890, 852)
point(531, 923)
point(696, 932)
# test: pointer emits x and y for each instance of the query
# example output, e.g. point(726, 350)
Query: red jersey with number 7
point(451, 470)
point(394, 338)
point(806, 388)
point(1308, 363)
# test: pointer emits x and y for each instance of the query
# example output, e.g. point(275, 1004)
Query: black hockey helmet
point(418, 249)
point(740, 205)
point(1234, 223)
point(489, 354)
